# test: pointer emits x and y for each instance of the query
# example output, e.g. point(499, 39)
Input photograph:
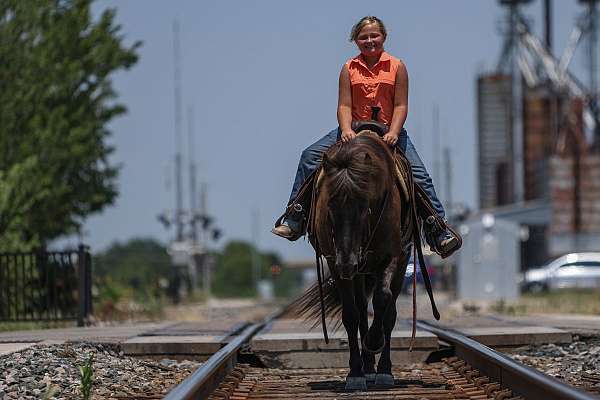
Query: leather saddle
point(371, 125)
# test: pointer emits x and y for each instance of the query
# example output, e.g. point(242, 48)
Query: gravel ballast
point(576, 363)
point(52, 372)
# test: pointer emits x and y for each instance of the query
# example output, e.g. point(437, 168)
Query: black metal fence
point(46, 286)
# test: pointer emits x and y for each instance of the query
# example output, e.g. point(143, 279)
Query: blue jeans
point(311, 158)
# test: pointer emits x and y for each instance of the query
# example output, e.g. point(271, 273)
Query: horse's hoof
point(371, 377)
point(374, 351)
point(356, 383)
point(384, 379)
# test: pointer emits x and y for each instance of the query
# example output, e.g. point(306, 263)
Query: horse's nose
point(348, 277)
point(346, 264)
point(347, 271)
point(346, 257)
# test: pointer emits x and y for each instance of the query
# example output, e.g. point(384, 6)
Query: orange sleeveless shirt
point(373, 87)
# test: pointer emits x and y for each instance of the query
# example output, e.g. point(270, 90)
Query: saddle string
point(319, 260)
point(419, 252)
point(417, 243)
point(320, 278)
point(414, 301)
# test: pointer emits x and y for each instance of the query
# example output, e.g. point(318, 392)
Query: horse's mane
point(355, 167)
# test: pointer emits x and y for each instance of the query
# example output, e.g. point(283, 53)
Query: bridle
point(365, 250)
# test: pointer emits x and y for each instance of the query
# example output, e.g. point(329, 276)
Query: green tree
point(233, 272)
point(56, 99)
point(233, 276)
point(139, 265)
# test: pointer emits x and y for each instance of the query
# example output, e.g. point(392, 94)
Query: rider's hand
point(348, 135)
point(390, 138)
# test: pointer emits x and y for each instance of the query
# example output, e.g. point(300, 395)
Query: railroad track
point(202, 382)
point(462, 369)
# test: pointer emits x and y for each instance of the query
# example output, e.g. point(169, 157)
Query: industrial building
point(538, 137)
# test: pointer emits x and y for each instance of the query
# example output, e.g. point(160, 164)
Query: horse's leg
point(362, 303)
point(384, 366)
point(350, 318)
point(382, 296)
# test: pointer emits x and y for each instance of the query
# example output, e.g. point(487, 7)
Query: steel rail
point(204, 380)
point(521, 379)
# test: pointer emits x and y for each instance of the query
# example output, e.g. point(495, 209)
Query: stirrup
point(291, 236)
point(296, 211)
point(434, 228)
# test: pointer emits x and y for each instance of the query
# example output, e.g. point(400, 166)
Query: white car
point(576, 270)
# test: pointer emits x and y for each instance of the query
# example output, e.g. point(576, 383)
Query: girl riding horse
point(372, 79)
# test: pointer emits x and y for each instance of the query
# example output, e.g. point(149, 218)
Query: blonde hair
point(364, 21)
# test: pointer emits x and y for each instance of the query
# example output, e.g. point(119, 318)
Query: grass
point(87, 377)
point(50, 392)
point(130, 309)
point(565, 301)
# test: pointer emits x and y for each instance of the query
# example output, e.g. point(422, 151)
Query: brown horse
point(363, 226)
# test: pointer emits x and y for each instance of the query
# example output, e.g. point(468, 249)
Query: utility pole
point(509, 62)
point(189, 247)
point(207, 263)
point(548, 24)
point(510, 57)
point(195, 248)
point(517, 109)
point(203, 207)
point(448, 186)
point(193, 190)
point(591, 31)
point(177, 97)
point(592, 42)
point(436, 144)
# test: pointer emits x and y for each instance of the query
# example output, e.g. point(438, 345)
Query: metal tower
point(588, 24)
point(193, 190)
point(189, 247)
point(509, 63)
point(177, 98)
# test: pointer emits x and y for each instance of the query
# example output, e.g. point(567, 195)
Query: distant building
point(561, 174)
point(488, 263)
point(494, 140)
point(575, 194)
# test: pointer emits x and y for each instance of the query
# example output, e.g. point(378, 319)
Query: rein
point(318, 255)
point(418, 255)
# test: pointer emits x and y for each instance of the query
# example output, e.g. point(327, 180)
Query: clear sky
point(261, 77)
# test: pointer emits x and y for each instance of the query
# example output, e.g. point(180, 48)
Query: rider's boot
point(291, 226)
point(440, 238)
point(286, 231)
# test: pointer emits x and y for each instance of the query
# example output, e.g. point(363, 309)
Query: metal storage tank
point(540, 123)
point(488, 263)
point(494, 126)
